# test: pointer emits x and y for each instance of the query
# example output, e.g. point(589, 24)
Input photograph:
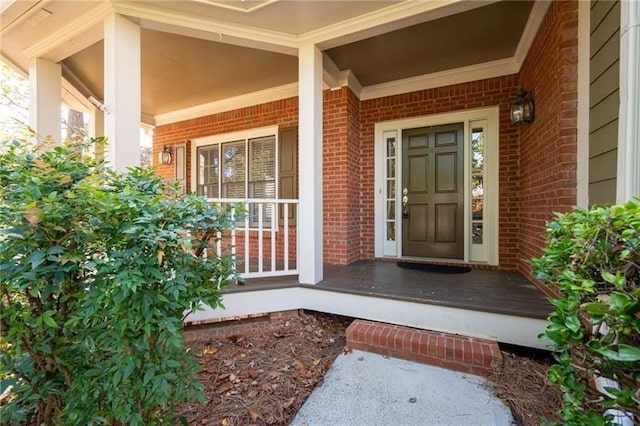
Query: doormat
point(430, 267)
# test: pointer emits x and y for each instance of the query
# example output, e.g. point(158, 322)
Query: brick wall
point(537, 161)
point(496, 91)
point(283, 113)
point(341, 181)
point(548, 145)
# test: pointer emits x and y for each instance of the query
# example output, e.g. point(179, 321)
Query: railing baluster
point(247, 257)
point(286, 236)
point(264, 206)
point(274, 208)
point(233, 239)
point(260, 249)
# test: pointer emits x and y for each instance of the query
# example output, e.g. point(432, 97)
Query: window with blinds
point(262, 176)
point(240, 169)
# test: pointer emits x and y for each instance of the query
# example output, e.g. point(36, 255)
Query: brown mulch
point(523, 384)
point(263, 374)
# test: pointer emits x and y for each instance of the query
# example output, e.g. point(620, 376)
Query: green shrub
point(98, 270)
point(592, 258)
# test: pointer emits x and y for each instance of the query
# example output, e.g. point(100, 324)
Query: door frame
point(488, 252)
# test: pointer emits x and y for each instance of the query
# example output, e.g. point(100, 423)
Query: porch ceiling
point(201, 51)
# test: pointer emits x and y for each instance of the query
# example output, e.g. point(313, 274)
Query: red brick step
point(461, 353)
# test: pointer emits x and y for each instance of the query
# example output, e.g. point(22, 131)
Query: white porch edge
point(628, 176)
point(503, 328)
point(310, 216)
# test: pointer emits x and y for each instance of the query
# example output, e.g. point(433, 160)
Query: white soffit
point(388, 19)
point(236, 102)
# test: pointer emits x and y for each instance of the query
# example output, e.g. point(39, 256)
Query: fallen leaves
point(263, 376)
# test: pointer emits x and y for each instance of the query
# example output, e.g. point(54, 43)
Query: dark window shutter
point(288, 185)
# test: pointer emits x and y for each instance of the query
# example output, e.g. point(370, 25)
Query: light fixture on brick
point(522, 109)
point(164, 156)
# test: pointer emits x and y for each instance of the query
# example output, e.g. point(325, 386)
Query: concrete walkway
point(363, 388)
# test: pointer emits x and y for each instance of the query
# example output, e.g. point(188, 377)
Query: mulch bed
point(263, 375)
point(522, 382)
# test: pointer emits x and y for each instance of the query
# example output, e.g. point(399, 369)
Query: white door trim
point(491, 231)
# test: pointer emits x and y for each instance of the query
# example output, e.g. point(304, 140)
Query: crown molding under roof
point(537, 14)
point(250, 99)
point(225, 32)
point(72, 30)
point(232, 6)
point(443, 78)
point(385, 20)
point(348, 79)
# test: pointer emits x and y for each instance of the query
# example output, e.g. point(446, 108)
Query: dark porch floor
point(498, 292)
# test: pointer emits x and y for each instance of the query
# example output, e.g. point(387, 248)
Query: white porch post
point(97, 129)
point(628, 178)
point(122, 92)
point(310, 124)
point(45, 83)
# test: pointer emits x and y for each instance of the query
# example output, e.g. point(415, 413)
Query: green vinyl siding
point(604, 100)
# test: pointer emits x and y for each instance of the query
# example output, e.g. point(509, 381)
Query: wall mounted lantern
point(164, 156)
point(523, 108)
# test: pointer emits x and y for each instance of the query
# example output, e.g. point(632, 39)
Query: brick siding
point(499, 91)
point(548, 145)
point(537, 161)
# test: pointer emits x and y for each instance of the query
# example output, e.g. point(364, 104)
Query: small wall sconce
point(523, 108)
point(164, 156)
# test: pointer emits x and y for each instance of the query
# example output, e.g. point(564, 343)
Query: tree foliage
point(593, 259)
point(97, 272)
point(14, 102)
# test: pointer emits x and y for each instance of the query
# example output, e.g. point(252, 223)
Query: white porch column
point(122, 92)
point(628, 179)
point(97, 129)
point(45, 84)
point(310, 132)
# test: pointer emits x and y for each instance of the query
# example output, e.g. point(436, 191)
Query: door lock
point(405, 200)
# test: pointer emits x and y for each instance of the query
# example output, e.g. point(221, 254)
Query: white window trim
point(491, 212)
point(231, 137)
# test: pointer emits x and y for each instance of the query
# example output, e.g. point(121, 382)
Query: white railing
point(266, 219)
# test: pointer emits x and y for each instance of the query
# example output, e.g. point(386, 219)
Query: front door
point(432, 192)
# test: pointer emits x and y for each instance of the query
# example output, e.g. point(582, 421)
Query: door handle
point(405, 200)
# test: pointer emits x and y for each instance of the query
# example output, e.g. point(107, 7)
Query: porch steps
point(467, 354)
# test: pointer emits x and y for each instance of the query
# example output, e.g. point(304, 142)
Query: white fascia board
point(74, 99)
point(440, 79)
point(72, 30)
point(538, 12)
point(221, 31)
point(387, 19)
point(260, 97)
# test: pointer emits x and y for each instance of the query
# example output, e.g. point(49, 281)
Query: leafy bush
point(97, 272)
point(593, 260)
